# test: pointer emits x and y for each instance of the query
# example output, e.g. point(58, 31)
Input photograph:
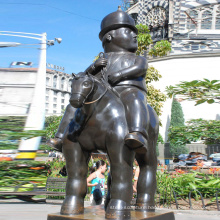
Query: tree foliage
point(160, 48)
point(177, 117)
point(177, 120)
point(200, 91)
point(51, 125)
point(11, 131)
point(207, 131)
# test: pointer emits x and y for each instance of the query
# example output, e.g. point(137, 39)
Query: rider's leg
point(121, 160)
point(76, 186)
point(137, 116)
point(66, 119)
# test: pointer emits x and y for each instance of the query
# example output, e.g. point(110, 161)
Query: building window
point(54, 105)
point(54, 111)
point(47, 98)
point(55, 93)
point(62, 101)
point(55, 99)
point(191, 22)
point(62, 107)
point(47, 81)
point(46, 110)
point(47, 105)
point(62, 94)
point(156, 16)
point(62, 83)
point(55, 82)
point(206, 20)
point(70, 85)
point(47, 91)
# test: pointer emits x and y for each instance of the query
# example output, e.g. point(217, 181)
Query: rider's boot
point(56, 143)
point(137, 142)
point(72, 205)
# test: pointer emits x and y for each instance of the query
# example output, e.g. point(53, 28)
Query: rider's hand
point(114, 78)
point(100, 62)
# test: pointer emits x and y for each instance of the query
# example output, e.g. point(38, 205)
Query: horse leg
point(146, 186)
point(76, 186)
point(107, 199)
point(121, 161)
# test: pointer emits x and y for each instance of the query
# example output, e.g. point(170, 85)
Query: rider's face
point(125, 39)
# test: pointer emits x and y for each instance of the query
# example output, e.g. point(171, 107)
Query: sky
point(77, 22)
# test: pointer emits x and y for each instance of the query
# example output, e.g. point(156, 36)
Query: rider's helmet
point(116, 20)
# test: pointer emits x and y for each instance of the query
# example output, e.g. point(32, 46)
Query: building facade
point(193, 29)
point(17, 88)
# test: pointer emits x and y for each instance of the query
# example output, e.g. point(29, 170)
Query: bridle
point(93, 83)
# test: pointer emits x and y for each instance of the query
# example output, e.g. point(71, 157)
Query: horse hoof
point(72, 206)
point(118, 209)
point(145, 207)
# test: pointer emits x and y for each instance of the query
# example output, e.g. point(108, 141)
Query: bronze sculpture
point(110, 113)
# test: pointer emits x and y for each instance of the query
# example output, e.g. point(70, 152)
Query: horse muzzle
point(77, 100)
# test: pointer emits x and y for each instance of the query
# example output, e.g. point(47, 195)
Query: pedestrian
point(97, 179)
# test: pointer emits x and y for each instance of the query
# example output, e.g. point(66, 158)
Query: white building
point(17, 87)
point(193, 28)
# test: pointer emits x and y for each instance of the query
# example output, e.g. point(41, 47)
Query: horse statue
point(104, 129)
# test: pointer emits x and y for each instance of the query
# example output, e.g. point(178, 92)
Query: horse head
point(82, 87)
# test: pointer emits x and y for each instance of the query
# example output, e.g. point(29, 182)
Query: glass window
point(62, 94)
point(217, 24)
point(55, 82)
point(47, 91)
point(62, 101)
point(55, 99)
point(62, 83)
point(47, 98)
point(195, 46)
point(193, 16)
point(54, 111)
point(206, 20)
point(46, 110)
point(47, 105)
point(47, 81)
point(54, 105)
point(62, 107)
point(55, 93)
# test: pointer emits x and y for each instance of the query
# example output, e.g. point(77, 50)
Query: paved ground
point(17, 210)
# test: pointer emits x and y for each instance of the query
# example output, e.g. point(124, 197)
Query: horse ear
point(74, 75)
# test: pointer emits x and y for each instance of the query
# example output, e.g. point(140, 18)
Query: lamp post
point(36, 116)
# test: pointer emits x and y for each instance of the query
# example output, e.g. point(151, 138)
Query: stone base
point(98, 213)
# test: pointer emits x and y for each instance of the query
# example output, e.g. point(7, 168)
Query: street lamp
point(9, 44)
point(36, 116)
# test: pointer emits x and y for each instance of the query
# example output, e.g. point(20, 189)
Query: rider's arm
point(90, 178)
point(95, 67)
point(138, 69)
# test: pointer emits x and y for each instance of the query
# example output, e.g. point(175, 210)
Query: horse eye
point(86, 84)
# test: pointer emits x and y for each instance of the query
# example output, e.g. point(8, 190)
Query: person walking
point(96, 180)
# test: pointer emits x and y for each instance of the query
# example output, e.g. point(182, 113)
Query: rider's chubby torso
point(118, 62)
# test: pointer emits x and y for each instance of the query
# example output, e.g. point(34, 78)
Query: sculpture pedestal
point(98, 213)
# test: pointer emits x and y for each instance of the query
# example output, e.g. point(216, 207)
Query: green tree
point(177, 120)
point(200, 91)
point(177, 117)
point(51, 125)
